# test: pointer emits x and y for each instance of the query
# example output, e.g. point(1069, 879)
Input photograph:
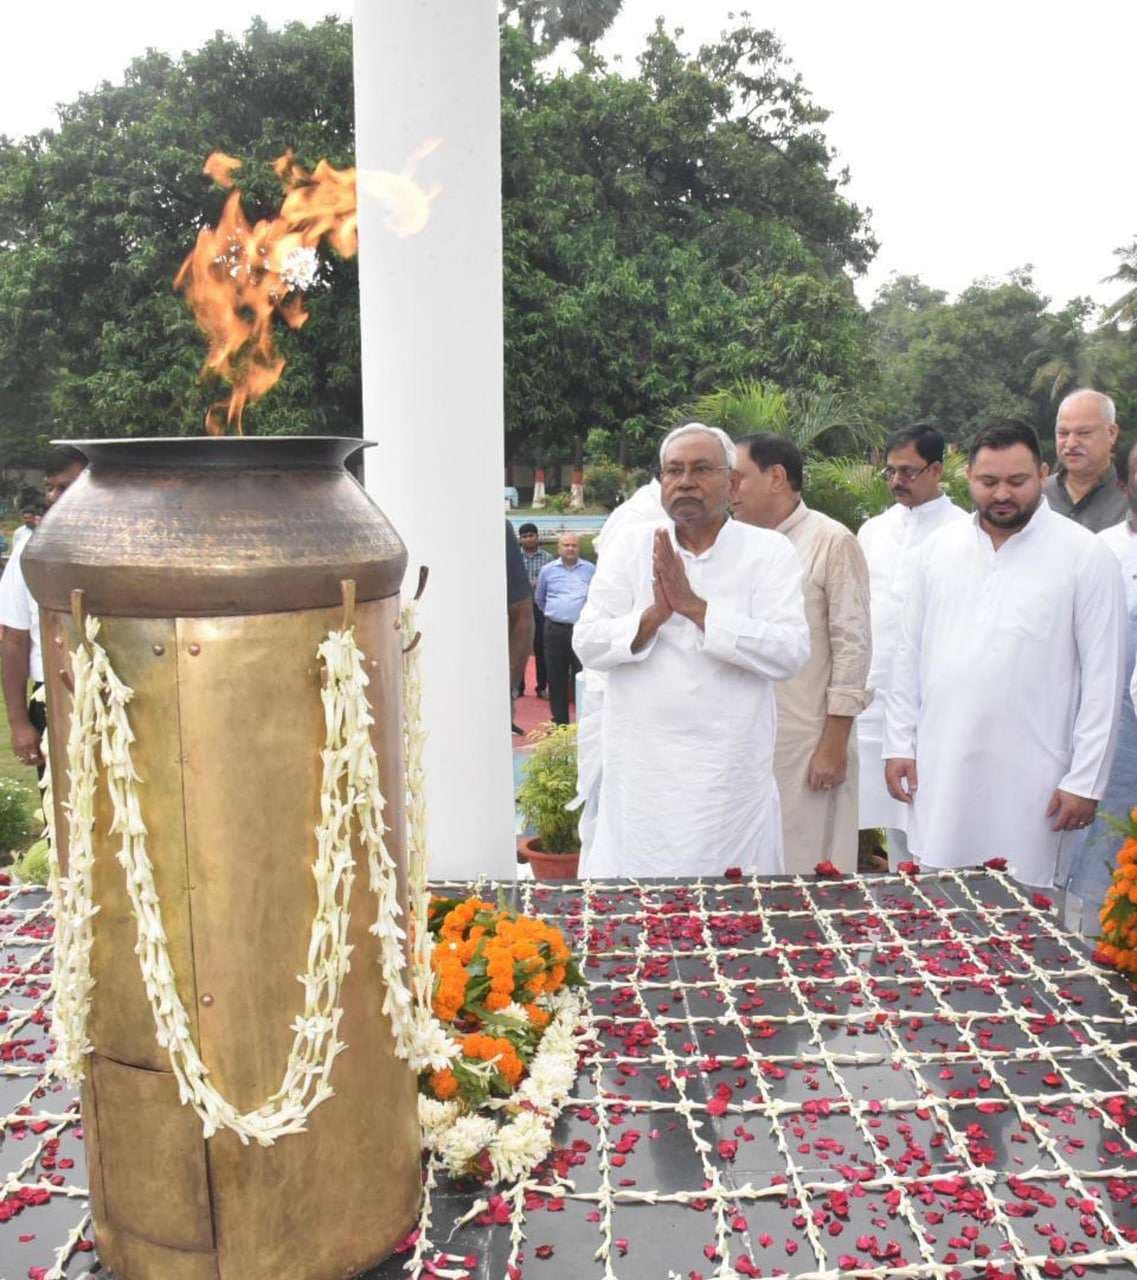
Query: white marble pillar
point(432, 394)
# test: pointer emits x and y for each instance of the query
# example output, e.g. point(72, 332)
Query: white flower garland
point(350, 798)
point(431, 1046)
point(349, 794)
point(516, 1147)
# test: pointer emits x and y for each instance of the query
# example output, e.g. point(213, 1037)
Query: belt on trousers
point(554, 623)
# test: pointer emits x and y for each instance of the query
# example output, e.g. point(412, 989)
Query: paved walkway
point(531, 711)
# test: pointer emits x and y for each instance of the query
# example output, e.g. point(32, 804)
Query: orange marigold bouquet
point(497, 977)
point(1117, 944)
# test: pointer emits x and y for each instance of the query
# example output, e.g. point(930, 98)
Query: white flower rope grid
point(350, 797)
point(942, 897)
point(621, 909)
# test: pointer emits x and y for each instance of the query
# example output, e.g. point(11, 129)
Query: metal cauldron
point(215, 566)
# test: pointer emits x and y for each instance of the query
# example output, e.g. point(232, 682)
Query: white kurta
point(1006, 685)
point(644, 506)
point(687, 784)
point(887, 541)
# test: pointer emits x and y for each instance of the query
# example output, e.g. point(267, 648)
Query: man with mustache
point(1002, 716)
point(914, 459)
point(1086, 487)
point(694, 618)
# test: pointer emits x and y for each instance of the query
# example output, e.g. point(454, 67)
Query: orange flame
point(238, 278)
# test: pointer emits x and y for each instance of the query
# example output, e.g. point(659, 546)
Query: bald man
point(1086, 487)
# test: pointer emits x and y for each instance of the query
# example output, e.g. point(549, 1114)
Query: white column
point(431, 316)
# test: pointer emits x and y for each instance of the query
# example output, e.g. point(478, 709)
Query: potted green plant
point(548, 785)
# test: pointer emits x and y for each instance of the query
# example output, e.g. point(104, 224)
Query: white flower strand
point(349, 792)
point(431, 1046)
point(71, 894)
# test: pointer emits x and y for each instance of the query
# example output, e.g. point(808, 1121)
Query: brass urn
point(215, 567)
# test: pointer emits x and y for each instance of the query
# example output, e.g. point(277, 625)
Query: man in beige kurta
point(815, 758)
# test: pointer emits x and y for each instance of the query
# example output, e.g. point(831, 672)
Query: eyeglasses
point(904, 473)
point(698, 471)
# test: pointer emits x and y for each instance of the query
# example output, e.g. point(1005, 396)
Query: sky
point(984, 135)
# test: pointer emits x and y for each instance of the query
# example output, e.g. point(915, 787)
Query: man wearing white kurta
point(914, 468)
point(1007, 681)
point(694, 620)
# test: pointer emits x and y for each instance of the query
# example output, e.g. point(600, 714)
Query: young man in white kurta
point(1007, 680)
point(689, 710)
point(914, 458)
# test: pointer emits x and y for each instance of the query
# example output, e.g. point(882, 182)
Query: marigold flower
point(444, 1084)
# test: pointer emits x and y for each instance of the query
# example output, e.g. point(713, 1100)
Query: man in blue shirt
point(562, 589)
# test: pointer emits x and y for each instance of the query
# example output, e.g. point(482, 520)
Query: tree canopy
point(667, 234)
point(97, 215)
point(676, 233)
point(999, 349)
point(664, 234)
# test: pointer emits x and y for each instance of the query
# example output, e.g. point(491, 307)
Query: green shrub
point(603, 484)
point(548, 785)
point(558, 503)
point(31, 866)
point(16, 815)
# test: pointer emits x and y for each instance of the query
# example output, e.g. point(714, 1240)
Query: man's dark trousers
point(539, 648)
point(538, 652)
point(561, 665)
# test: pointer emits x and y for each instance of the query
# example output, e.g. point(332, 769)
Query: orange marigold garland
point(503, 986)
point(1117, 944)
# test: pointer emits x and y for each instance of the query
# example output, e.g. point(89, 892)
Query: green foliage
point(805, 416)
point(97, 215)
point(550, 22)
point(961, 363)
point(548, 785)
point(16, 820)
point(599, 445)
point(603, 484)
point(32, 866)
point(668, 234)
point(663, 234)
point(558, 504)
point(1067, 355)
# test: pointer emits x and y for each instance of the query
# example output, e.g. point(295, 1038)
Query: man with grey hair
point(693, 618)
point(1086, 487)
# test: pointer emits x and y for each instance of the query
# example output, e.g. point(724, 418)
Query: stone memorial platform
point(918, 1077)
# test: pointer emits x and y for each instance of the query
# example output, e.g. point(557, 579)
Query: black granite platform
point(884, 1075)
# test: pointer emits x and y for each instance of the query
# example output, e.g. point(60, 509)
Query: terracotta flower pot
point(548, 866)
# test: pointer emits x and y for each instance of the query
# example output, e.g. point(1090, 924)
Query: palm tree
point(744, 409)
point(1124, 310)
point(1066, 356)
point(805, 416)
